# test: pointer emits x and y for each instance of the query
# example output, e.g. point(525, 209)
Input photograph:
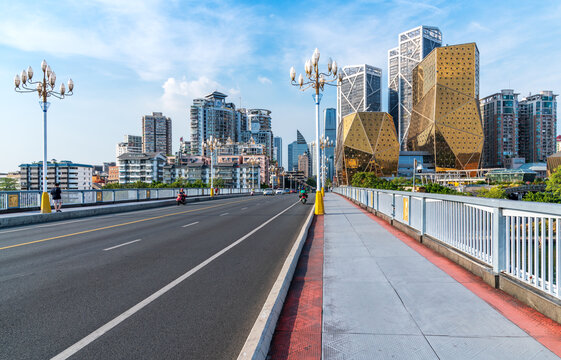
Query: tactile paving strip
point(298, 332)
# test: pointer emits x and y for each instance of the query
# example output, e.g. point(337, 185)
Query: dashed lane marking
point(118, 246)
point(195, 223)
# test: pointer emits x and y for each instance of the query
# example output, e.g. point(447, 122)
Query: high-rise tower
point(360, 90)
point(538, 126)
point(445, 120)
point(499, 113)
point(413, 46)
point(156, 134)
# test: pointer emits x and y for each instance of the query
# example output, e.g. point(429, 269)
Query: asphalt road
point(152, 284)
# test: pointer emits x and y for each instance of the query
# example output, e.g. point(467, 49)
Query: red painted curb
point(298, 332)
point(537, 325)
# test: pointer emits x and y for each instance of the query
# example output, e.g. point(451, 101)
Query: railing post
point(409, 210)
point(423, 215)
point(393, 206)
point(499, 241)
point(377, 201)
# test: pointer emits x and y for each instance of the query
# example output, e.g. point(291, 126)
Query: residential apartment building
point(131, 143)
point(538, 126)
point(259, 130)
point(69, 175)
point(413, 46)
point(145, 167)
point(213, 116)
point(156, 134)
point(499, 113)
point(304, 164)
point(360, 90)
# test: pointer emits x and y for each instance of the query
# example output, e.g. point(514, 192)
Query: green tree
point(495, 192)
point(7, 184)
point(218, 182)
point(553, 184)
point(311, 182)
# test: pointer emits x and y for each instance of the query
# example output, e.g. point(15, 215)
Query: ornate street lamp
point(45, 89)
point(316, 80)
point(253, 161)
point(212, 144)
point(324, 143)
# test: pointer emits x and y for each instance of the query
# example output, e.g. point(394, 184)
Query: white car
point(268, 192)
point(279, 192)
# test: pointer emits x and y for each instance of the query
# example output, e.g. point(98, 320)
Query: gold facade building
point(366, 141)
point(446, 120)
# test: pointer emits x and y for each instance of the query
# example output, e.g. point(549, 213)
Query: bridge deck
point(383, 299)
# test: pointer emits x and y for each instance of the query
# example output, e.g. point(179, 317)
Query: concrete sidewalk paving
point(382, 300)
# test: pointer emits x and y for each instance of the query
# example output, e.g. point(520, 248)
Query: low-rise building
point(69, 175)
point(145, 167)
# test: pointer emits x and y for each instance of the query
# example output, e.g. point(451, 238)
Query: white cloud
point(264, 80)
point(153, 38)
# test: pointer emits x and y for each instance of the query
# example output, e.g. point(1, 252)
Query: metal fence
point(32, 199)
point(518, 238)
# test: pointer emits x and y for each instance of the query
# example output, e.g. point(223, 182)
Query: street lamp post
point(316, 80)
point(25, 84)
point(272, 173)
point(324, 143)
point(252, 162)
point(211, 144)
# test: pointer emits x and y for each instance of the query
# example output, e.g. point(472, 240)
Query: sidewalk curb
point(65, 215)
point(258, 342)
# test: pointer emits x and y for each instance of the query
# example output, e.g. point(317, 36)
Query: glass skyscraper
point(360, 90)
point(296, 148)
point(277, 152)
point(330, 126)
point(413, 46)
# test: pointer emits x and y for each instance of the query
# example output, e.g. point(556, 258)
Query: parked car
point(279, 192)
point(268, 192)
point(286, 191)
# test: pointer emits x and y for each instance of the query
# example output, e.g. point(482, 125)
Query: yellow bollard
point(322, 192)
point(211, 192)
point(45, 203)
point(319, 204)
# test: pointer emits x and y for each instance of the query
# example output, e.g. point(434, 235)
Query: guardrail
point(518, 238)
point(10, 200)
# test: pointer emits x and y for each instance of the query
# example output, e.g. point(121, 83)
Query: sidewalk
point(382, 299)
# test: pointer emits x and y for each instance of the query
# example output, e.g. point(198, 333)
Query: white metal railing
point(518, 238)
point(31, 199)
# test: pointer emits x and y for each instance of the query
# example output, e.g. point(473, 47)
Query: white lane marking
point(195, 223)
point(73, 349)
point(244, 208)
point(116, 246)
point(224, 214)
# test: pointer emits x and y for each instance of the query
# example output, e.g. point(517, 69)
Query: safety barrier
point(31, 199)
point(518, 238)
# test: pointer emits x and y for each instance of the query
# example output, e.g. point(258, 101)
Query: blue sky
point(130, 58)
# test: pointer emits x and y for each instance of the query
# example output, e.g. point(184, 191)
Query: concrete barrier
point(29, 219)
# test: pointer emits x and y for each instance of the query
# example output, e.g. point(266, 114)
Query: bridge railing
point(31, 199)
point(518, 238)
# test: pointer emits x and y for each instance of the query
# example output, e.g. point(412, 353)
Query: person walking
point(56, 196)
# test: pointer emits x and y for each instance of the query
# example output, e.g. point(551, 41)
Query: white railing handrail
point(518, 238)
point(529, 206)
